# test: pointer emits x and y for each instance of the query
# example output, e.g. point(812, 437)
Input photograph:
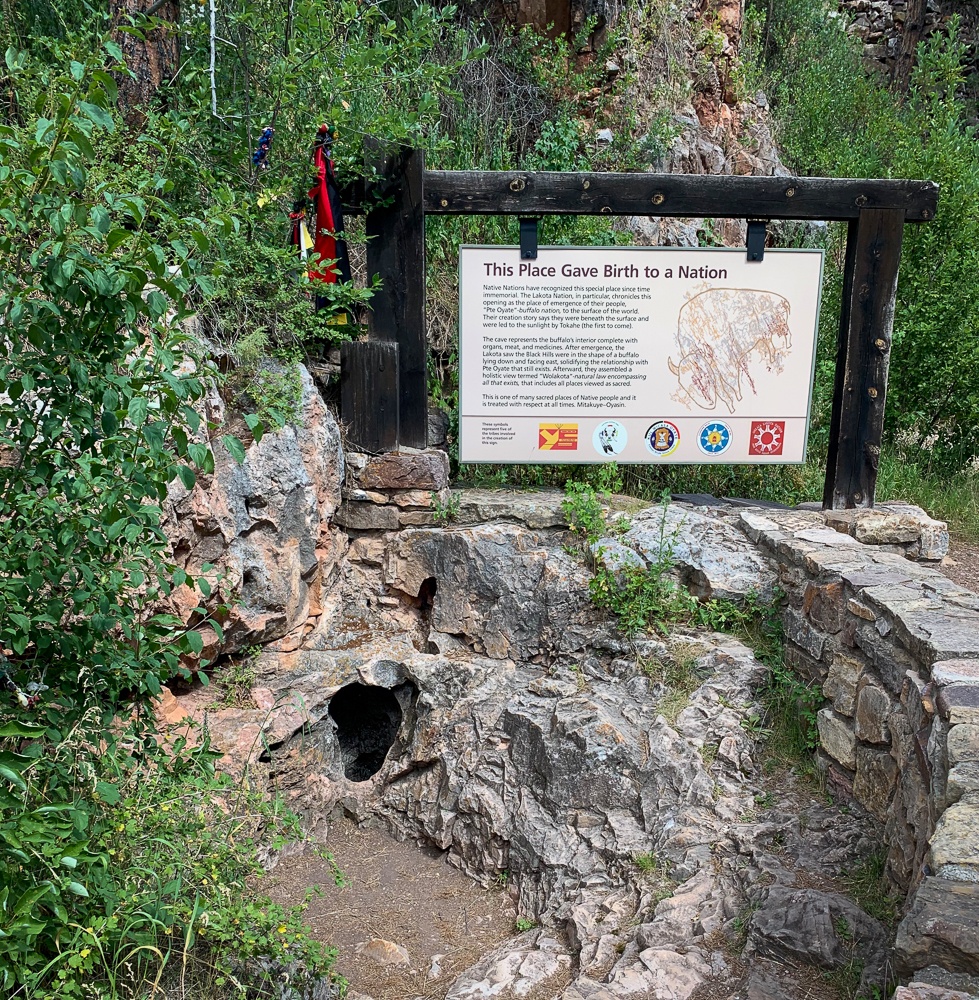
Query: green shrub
point(98, 414)
point(121, 863)
point(836, 119)
point(125, 865)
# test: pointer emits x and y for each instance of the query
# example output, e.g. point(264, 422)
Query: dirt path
point(962, 563)
point(399, 894)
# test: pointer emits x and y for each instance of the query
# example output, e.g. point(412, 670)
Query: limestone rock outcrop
point(264, 528)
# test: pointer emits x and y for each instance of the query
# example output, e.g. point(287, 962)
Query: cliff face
point(264, 528)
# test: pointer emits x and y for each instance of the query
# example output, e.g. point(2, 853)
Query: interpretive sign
point(636, 354)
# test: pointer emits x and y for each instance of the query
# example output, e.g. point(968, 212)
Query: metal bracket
point(528, 238)
point(757, 233)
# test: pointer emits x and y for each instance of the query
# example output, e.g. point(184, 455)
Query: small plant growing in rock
point(677, 672)
point(237, 678)
point(754, 726)
point(655, 870)
point(867, 885)
point(740, 926)
point(649, 863)
point(524, 924)
point(445, 513)
point(339, 879)
point(585, 512)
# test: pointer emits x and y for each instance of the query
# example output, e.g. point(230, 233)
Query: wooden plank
point(369, 395)
point(485, 192)
point(866, 324)
point(396, 254)
point(842, 344)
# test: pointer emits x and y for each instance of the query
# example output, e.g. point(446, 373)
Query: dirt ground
point(962, 563)
point(399, 893)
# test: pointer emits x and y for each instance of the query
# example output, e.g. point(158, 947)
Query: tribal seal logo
point(714, 438)
point(557, 437)
point(663, 438)
point(609, 438)
point(767, 437)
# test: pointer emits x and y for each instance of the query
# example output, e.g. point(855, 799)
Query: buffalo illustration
point(722, 334)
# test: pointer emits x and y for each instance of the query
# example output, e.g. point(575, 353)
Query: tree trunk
point(152, 57)
point(914, 27)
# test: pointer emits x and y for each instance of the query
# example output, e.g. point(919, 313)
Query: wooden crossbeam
point(488, 192)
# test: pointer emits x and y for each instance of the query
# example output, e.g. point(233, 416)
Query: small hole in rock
point(426, 593)
point(367, 720)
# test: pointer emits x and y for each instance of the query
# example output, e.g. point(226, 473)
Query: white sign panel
point(636, 354)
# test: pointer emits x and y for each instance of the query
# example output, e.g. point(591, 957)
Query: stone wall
point(895, 647)
point(879, 24)
point(892, 643)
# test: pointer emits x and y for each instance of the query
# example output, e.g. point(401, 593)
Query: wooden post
point(369, 395)
point(396, 254)
point(873, 255)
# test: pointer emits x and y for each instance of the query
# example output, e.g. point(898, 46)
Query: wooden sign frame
point(405, 192)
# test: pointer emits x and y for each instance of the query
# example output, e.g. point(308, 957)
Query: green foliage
point(656, 871)
point(445, 513)
point(586, 502)
point(262, 290)
point(584, 509)
point(647, 597)
point(363, 68)
point(98, 413)
point(124, 866)
point(236, 678)
point(650, 863)
point(524, 924)
point(558, 147)
point(837, 120)
point(867, 884)
point(677, 672)
point(269, 387)
point(791, 705)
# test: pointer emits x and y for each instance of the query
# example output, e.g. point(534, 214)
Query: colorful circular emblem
point(663, 438)
point(714, 438)
point(609, 438)
point(767, 437)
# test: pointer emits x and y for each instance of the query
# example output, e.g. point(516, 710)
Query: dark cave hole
point(367, 720)
point(426, 594)
point(426, 602)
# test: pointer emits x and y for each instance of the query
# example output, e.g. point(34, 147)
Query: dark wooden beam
point(396, 254)
point(487, 192)
point(369, 395)
point(873, 255)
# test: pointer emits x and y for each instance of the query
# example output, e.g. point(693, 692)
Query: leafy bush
point(121, 863)
point(98, 411)
point(836, 119)
point(124, 867)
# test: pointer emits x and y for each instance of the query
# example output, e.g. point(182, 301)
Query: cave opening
point(367, 720)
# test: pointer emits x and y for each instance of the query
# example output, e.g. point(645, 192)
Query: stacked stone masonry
point(895, 647)
point(891, 642)
point(396, 490)
point(879, 25)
